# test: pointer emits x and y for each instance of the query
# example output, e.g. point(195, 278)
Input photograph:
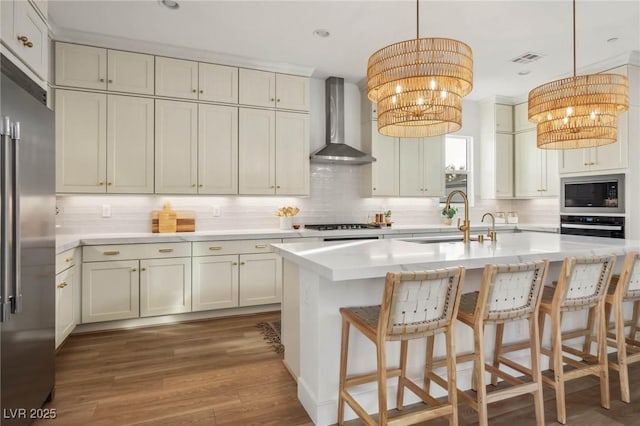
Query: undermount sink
point(435, 239)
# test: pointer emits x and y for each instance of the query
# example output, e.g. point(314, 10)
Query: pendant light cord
point(574, 38)
point(418, 19)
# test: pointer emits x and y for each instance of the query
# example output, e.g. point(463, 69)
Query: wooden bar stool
point(625, 288)
point(507, 293)
point(414, 305)
point(582, 285)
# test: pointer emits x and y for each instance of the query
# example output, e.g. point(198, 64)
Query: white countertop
point(66, 242)
point(374, 258)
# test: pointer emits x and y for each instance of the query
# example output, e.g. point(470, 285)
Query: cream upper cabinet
point(536, 169)
point(257, 152)
point(176, 78)
point(130, 138)
point(26, 36)
point(217, 83)
point(215, 282)
point(217, 149)
point(110, 290)
point(385, 171)
point(496, 151)
point(422, 167)
point(273, 153)
point(81, 141)
point(257, 88)
point(130, 72)
point(521, 118)
point(81, 66)
point(260, 279)
point(176, 149)
point(292, 153)
point(165, 286)
point(292, 92)
point(87, 160)
point(267, 89)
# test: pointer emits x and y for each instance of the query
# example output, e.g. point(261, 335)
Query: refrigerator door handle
point(5, 279)
point(16, 302)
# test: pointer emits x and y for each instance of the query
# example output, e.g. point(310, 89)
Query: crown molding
point(160, 49)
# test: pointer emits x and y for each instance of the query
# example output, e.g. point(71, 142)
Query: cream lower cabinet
point(215, 282)
point(536, 169)
point(165, 286)
point(422, 167)
point(260, 279)
point(110, 290)
point(66, 287)
point(104, 143)
point(273, 151)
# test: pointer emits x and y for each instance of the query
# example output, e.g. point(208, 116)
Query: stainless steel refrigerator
point(27, 268)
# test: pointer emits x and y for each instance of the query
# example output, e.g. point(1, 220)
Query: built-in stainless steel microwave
point(592, 194)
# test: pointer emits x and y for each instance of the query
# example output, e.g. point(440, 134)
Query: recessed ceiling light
point(524, 72)
point(612, 40)
point(171, 4)
point(320, 33)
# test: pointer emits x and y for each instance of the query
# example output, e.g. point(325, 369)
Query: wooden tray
point(186, 221)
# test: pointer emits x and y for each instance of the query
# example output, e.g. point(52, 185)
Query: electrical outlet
point(216, 211)
point(106, 210)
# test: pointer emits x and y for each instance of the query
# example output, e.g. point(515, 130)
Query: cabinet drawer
point(208, 248)
point(135, 251)
point(67, 259)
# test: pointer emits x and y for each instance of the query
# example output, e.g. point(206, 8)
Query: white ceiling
point(281, 32)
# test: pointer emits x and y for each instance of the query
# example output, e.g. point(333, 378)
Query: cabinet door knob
point(193, 185)
point(100, 183)
point(202, 91)
point(374, 188)
point(200, 186)
point(143, 269)
point(241, 263)
point(234, 263)
point(133, 269)
point(277, 100)
point(278, 186)
point(273, 99)
point(109, 81)
point(272, 186)
point(62, 284)
point(29, 44)
point(194, 90)
point(69, 259)
point(109, 184)
point(102, 80)
point(23, 39)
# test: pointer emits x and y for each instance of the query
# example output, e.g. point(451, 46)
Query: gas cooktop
point(339, 226)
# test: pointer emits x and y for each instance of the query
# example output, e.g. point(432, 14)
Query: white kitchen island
point(319, 278)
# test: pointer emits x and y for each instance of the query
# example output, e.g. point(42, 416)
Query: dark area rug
point(271, 333)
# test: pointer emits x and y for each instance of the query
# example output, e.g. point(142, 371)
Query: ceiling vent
point(526, 58)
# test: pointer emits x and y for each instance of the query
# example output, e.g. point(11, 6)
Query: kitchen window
point(458, 166)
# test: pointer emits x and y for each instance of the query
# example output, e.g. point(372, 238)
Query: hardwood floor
point(222, 372)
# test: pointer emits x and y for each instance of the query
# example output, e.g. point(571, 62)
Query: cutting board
point(186, 221)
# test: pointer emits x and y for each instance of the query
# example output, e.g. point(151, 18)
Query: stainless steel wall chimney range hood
point(336, 150)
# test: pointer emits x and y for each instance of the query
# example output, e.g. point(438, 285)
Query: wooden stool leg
point(536, 375)
point(602, 356)
point(403, 369)
point(429, 363)
point(586, 347)
point(635, 320)
point(451, 375)
point(497, 352)
point(479, 361)
point(343, 369)
point(556, 350)
point(622, 350)
point(541, 316)
point(382, 383)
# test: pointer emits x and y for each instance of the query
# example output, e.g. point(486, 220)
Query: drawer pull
point(261, 246)
point(165, 250)
point(215, 248)
point(69, 259)
point(62, 284)
point(111, 253)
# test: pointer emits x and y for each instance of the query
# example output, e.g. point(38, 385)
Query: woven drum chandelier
point(579, 111)
point(419, 85)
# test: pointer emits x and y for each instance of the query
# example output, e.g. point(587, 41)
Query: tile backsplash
point(335, 197)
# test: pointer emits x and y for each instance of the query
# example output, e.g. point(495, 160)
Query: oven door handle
point(596, 227)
